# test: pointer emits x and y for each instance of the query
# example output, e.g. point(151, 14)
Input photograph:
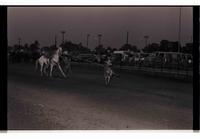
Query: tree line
point(163, 46)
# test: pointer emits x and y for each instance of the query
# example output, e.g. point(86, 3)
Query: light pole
point(99, 40)
point(87, 43)
point(63, 36)
point(19, 42)
point(191, 39)
point(146, 39)
point(55, 40)
point(179, 32)
point(127, 37)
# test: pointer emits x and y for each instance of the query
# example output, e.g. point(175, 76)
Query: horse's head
point(59, 51)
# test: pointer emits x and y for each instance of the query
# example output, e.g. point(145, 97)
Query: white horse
point(54, 61)
point(44, 64)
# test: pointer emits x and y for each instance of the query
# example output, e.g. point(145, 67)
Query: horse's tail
point(36, 64)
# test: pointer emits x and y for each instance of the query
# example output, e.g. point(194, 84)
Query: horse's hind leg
point(115, 74)
point(45, 70)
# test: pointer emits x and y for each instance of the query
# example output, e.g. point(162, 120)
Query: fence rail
point(161, 72)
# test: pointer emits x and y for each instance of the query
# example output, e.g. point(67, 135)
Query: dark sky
point(34, 23)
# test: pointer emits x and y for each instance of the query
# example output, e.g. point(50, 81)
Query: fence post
point(178, 68)
point(162, 65)
point(186, 69)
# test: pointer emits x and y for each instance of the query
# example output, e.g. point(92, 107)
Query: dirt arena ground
point(82, 101)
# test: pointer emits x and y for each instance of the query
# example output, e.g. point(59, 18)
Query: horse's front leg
point(41, 68)
point(70, 69)
point(51, 69)
point(106, 79)
point(66, 70)
point(109, 77)
point(61, 70)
